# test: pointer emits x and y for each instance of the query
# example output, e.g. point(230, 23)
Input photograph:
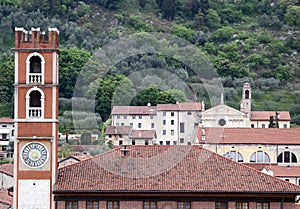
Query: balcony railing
point(35, 78)
point(35, 112)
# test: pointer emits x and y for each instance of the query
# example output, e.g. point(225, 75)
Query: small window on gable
point(260, 157)
point(235, 156)
point(287, 157)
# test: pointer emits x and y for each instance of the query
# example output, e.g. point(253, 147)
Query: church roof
point(250, 135)
point(156, 168)
point(265, 115)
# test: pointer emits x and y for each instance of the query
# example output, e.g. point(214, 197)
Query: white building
point(174, 123)
point(7, 134)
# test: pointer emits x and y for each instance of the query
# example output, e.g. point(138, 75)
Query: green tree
point(85, 139)
point(223, 34)
point(292, 15)
point(71, 62)
point(212, 19)
point(183, 32)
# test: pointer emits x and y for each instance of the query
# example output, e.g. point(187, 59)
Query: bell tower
point(36, 117)
point(246, 98)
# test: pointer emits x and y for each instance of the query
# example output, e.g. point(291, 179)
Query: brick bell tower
point(36, 117)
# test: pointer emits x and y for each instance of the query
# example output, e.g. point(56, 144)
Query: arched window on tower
point(287, 157)
point(34, 103)
point(247, 94)
point(35, 68)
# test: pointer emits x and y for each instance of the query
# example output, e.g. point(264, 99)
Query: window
point(152, 125)
point(120, 142)
point(34, 103)
point(287, 157)
point(172, 132)
point(12, 132)
point(4, 136)
point(263, 125)
point(287, 180)
point(140, 116)
point(164, 122)
point(181, 140)
point(118, 116)
point(247, 94)
point(164, 113)
point(262, 205)
point(139, 125)
point(117, 124)
point(284, 125)
point(125, 116)
point(167, 142)
point(122, 124)
point(4, 126)
point(151, 116)
point(252, 125)
point(172, 114)
point(235, 156)
point(189, 112)
point(181, 127)
point(71, 205)
point(131, 124)
point(260, 157)
point(242, 205)
point(150, 205)
point(172, 122)
point(113, 205)
point(35, 68)
point(161, 142)
point(196, 124)
point(221, 205)
point(92, 205)
point(109, 136)
point(164, 132)
point(174, 143)
point(133, 142)
point(146, 142)
point(184, 205)
point(133, 116)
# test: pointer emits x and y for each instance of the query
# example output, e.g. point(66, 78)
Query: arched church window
point(35, 103)
point(235, 156)
point(247, 94)
point(260, 157)
point(35, 99)
point(35, 64)
point(287, 157)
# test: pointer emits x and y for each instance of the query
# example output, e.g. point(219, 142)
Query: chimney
point(124, 159)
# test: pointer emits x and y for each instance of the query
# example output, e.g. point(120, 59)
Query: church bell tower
point(246, 99)
point(36, 117)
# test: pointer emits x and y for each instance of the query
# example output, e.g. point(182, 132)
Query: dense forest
point(254, 41)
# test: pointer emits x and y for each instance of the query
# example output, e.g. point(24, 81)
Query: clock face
point(34, 154)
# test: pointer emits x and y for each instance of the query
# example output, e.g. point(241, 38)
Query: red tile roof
point(190, 106)
point(265, 115)
point(167, 169)
point(8, 169)
point(5, 200)
point(297, 206)
point(278, 170)
point(167, 107)
point(6, 120)
point(118, 130)
point(251, 135)
point(142, 134)
point(133, 110)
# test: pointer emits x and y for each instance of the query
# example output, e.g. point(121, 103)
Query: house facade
point(174, 123)
point(168, 177)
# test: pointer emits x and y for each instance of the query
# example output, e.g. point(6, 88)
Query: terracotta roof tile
point(278, 170)
point(5, 200)
point(165, 169)
point(265, 115)
point(167, 107)
point(118, 130)
point(297, 206)
point(251, 135)
point(189, 106)
point(142, 134)
point(8, 169)
point(6, 120)
point(133, 110)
